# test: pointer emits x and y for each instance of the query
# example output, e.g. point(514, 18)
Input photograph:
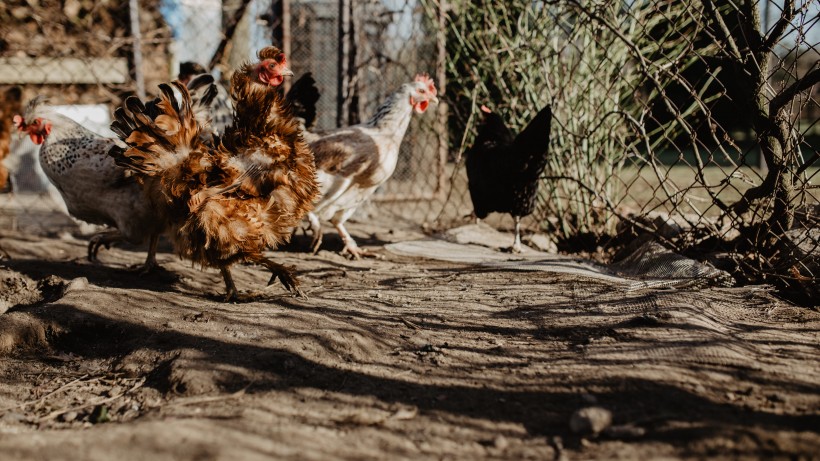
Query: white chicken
point(353, 162)
point(93, 187)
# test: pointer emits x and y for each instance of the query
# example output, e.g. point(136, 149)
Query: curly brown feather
point(229, 202)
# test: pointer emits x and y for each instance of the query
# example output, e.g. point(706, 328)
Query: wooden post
point(136, 36)
point(286, 35)
point(280, 30)
point(342, 102)
point(441, 112)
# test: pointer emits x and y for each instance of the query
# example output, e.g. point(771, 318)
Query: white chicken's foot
point(316, 229)
point(351, 247)
point(106, 237)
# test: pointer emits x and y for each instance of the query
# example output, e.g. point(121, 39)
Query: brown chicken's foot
point(145, 268)
point(285, 274)
point(231, 293)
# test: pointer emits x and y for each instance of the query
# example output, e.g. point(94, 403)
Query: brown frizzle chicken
point(229, 202)
point(11, 103)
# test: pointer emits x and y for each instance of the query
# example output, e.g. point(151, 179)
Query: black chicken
point(503, 170)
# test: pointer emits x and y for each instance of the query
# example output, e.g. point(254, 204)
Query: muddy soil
point(395, 357)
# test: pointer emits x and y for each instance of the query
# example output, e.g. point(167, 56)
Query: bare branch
point(809, 80)
point(724, 30)
point(780, 26)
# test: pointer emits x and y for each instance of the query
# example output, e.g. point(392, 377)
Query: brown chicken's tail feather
point(160, 134)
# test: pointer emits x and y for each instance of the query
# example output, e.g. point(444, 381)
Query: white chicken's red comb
point(431, 85)
point(19, 123)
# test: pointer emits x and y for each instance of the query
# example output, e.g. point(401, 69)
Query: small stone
point(501, 442)
point(79, 283)
point(731, 396)
point(590, 420)
point(69, 416)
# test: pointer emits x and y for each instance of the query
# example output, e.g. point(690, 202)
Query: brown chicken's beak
point(285, 72)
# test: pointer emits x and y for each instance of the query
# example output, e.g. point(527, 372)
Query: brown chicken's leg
point(151, 260)
point(231, 293)
point(285, 274)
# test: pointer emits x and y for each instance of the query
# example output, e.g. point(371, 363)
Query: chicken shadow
point(159, 279)
point(643, 402)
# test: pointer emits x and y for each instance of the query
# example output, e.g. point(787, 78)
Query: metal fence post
point(136, 36)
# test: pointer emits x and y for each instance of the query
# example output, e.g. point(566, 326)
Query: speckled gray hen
point(93, 187)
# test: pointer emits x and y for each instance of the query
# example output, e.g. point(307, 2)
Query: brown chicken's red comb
point(431, 85)
point(281, 59)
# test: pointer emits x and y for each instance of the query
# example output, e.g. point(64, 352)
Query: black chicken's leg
point(516, 248)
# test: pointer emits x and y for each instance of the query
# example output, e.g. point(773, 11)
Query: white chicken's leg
point(106, 237)
point(316, 229)
point(516, 248)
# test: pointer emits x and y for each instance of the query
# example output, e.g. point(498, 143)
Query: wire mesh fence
point(694, 123)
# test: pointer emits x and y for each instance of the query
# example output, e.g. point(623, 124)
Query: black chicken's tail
point(533, 142)
point(303, 96)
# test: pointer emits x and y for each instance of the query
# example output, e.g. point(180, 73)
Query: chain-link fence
point(694, 122)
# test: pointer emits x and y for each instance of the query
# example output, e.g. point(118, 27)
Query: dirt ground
point(399, 357)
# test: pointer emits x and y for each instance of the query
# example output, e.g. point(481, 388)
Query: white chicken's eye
point(422, 90)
